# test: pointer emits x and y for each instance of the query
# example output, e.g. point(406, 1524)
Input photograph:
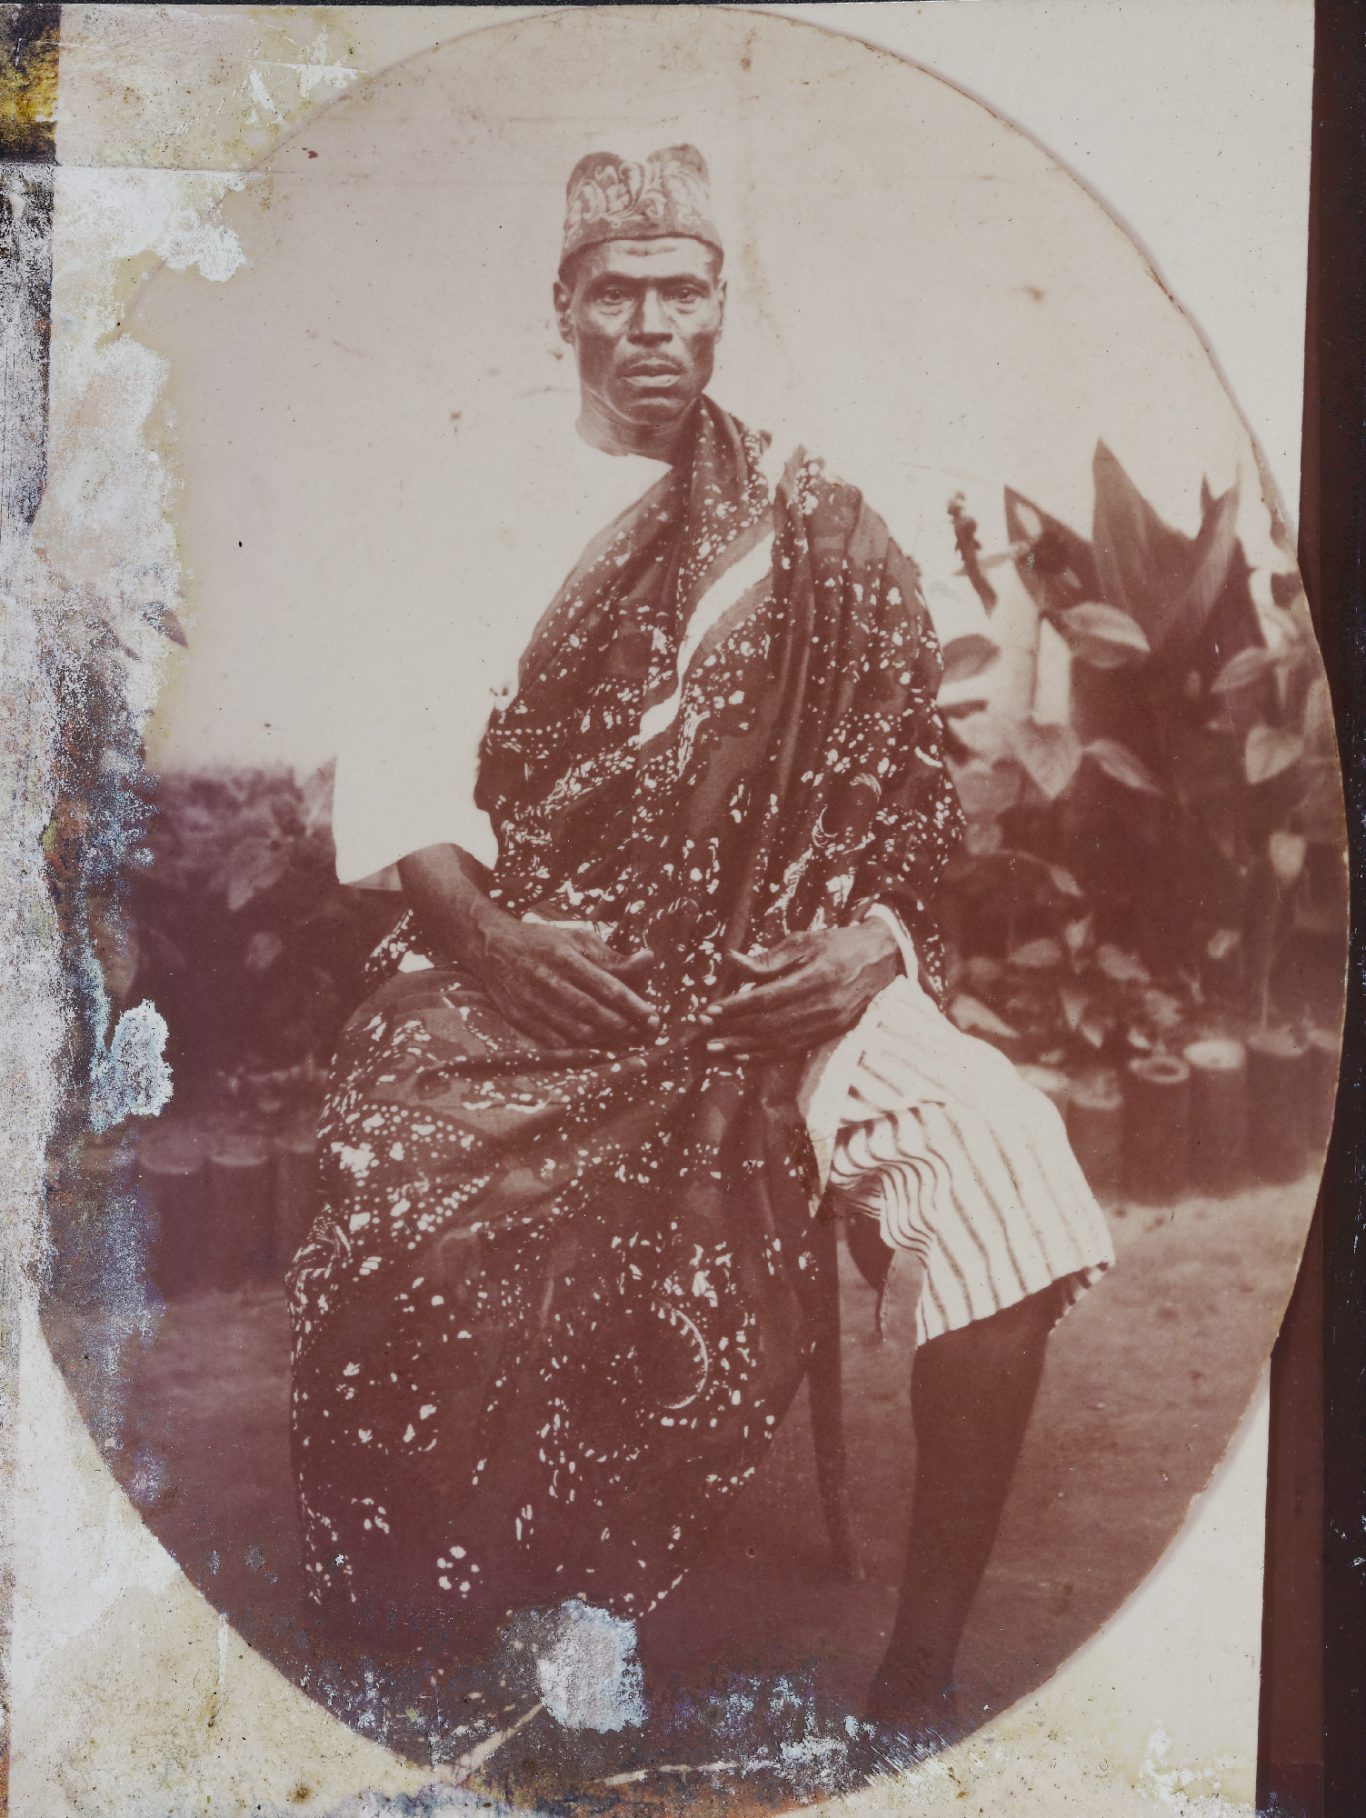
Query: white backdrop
point(917, 291)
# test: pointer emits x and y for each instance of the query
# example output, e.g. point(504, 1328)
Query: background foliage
point(1167, 860)
point(1164, 860)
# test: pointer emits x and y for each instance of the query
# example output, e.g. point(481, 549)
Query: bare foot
point(910, 1700)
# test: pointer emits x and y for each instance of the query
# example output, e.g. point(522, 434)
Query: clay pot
point(240, 1233)
point(1157, 1103)
point(1279, 1088)
point(176, 1192)
point(1095, 1128)
point(1218, 1132)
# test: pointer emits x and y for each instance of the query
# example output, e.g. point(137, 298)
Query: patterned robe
point(556, 1303)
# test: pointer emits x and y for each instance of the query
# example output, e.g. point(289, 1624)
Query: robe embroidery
point(555, 1305)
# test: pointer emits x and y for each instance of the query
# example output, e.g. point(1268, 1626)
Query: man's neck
point(612, 435)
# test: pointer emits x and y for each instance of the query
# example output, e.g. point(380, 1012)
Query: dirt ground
point(1144, 1384)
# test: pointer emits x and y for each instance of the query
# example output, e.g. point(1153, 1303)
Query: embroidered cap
point(613, 198)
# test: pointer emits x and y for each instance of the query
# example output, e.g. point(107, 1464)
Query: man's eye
point(612, 297)
point(690, 294)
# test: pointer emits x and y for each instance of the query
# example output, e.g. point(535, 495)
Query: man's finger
point(584, 1010)
point(612, 993)
point(594, 948)
point(767, 963)
point(754, 965)
point(542, 1017)
point(623, 964)
point(768, 1048)
point(539, 1022)
point(762, 1001)
point(777, 1038)
point(782, 1020)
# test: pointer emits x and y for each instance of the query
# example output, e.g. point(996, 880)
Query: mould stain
point(28, 83)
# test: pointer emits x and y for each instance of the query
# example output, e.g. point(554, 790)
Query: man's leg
point(972, 1392)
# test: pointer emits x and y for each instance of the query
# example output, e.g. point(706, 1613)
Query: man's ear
point(721, 305)
point(563, 297)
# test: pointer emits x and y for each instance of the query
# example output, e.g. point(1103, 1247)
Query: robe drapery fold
point(555, 1305)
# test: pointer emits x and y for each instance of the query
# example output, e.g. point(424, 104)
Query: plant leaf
point(1223, 943)
point(1123, 967)
point(1286, 588)
point(317, 797)
point(987, 790)
point(1063, 881)
point(1249, 666)
point(1095, 1027)
point(1050, 755)
point(1144, 564)
point(163, 951)
point(1167, 581)
point(263, 949)
point(1056, 565)
point(1103, 636)
point(1075, 1003)
point(1042, 955)
point(1320, 733)
point(956, 750)
point(982, 972)
point(974, 1018)
point(1212, 550)
point(960, 710)
point(1162, 1010)
point(1270, 751)
point(1122, 766)
point(983, 838)
point(1077, 934)
point(253, 866)
point(167, 622)
point(968, 656)
point(1287, 852)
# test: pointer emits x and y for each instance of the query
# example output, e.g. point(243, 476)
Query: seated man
point(666, 979)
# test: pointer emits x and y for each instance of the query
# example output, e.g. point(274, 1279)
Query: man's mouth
point(653, 369)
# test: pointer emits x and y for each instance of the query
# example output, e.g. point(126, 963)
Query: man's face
point(643, 318)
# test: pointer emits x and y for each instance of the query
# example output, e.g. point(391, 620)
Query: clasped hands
point(567, 986)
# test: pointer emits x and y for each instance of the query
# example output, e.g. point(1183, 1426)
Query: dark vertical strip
point(1336, 560)
point(28, 143)
point(1290, 1742)
point(1313, 1741)
point(28, 95)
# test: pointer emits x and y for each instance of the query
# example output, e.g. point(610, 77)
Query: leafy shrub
point(243, 937)
point(1162, 855)
point(1155, 865)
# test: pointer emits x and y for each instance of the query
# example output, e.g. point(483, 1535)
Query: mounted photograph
point(740, 854)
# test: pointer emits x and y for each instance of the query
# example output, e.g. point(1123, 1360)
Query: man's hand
point(562, 986)
point(565, 987)
point(804, 991)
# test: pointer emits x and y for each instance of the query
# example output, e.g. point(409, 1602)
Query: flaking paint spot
point(132, 1078)
point(589, 1676)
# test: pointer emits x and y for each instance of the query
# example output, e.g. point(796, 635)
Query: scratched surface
point(163, 114)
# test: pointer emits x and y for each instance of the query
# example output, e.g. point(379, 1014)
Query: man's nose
point(650, 322)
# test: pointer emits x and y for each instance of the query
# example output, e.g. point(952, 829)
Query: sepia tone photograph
point(739, 859)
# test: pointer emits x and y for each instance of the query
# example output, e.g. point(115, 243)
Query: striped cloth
point(964, 1164)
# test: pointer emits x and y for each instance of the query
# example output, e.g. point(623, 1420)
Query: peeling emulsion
point(589, 1676)
point(131, 1077)
point(90, 583)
